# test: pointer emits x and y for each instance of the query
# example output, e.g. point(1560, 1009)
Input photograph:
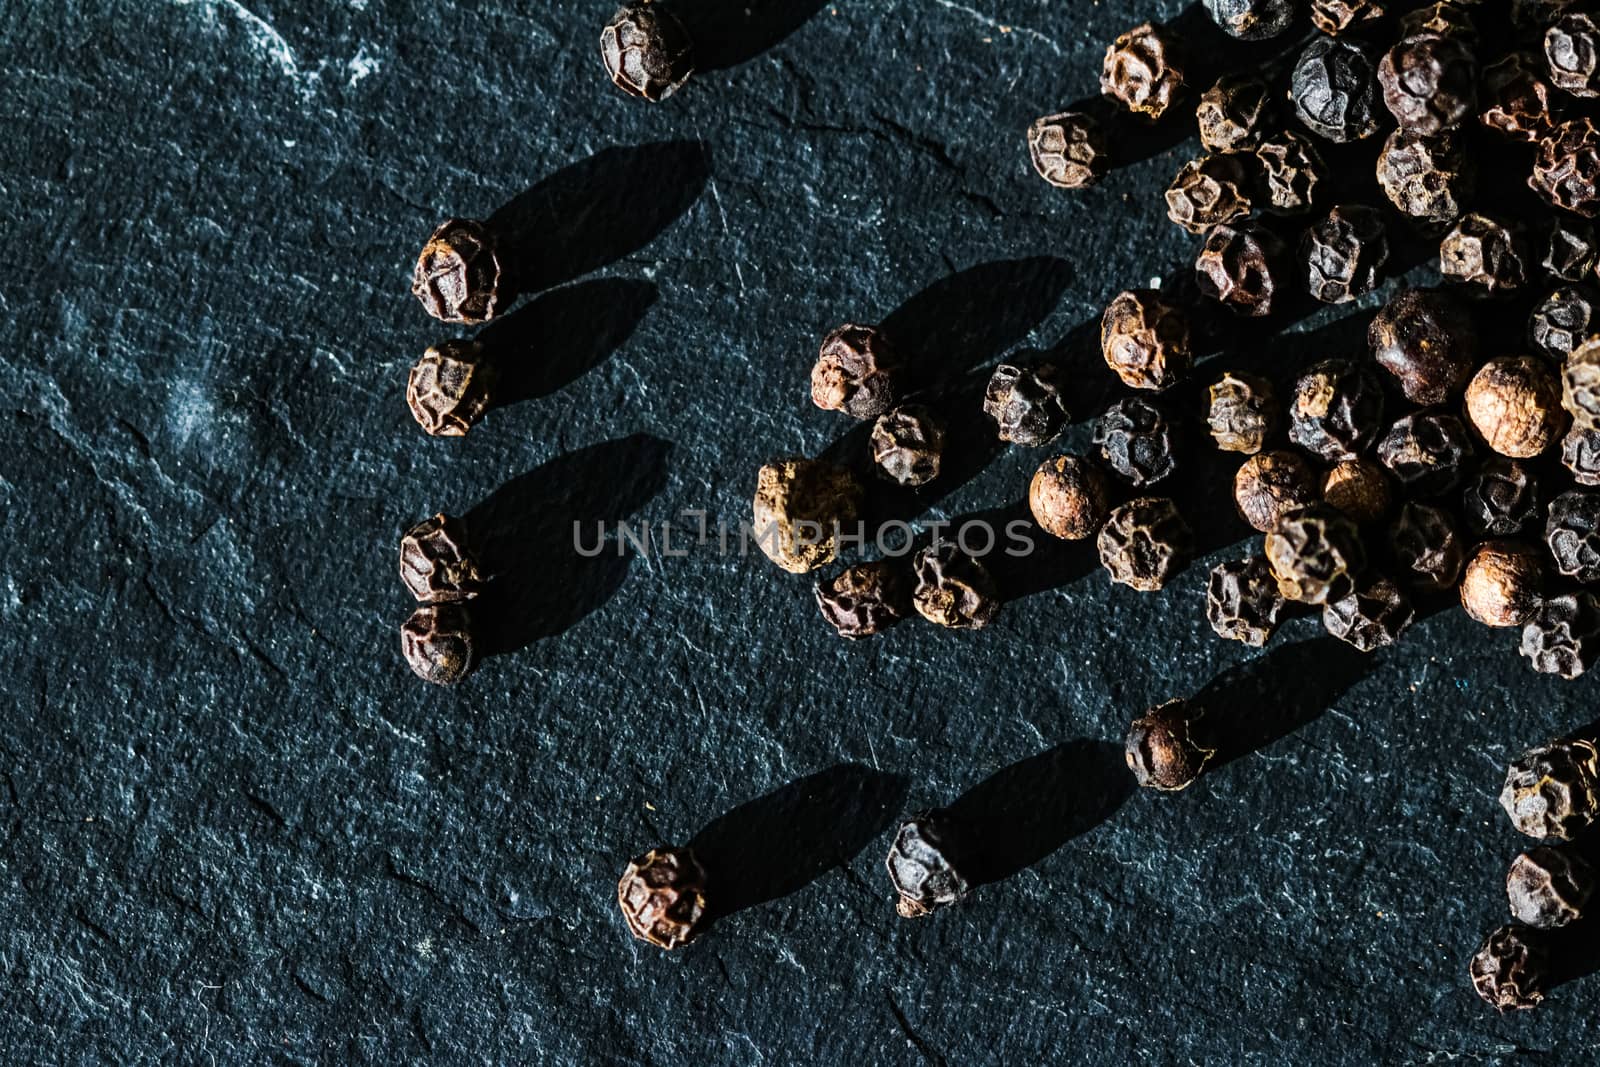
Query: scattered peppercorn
point(1069, 498)
point(1501, 499)
point(800, 507)
point(1427, 546)
point(1233, 113)
point(1372, 617)
point(1335, 89)
point(1500, 583)
point(1515, 98)
point(646, 50)
point(1571, 250)
point(1552, 790)
point(1252, 20)
point(1333, 17)
point(1145, 340)
point(1572, 533)
point(1137, 441)
point(1208, 191)
point(1563, 320)
point(1359, 488)
point(1514, 403)
point(1425, 338)
point(439, 644)
point(1572, 48)
point(1566, 171)
point(1549, 886)
point(1243, 412)
point(1026, 405)
point(1484, 251)
point(662, 895)
point(1428, 179)
point(953, 589)
point(1144, 543)
point(1316, 554)
point(436, 563)
point(1430, 83)
point(1243, 602)
point(1343, 253)
point(450, 388)
point(1291, 171)
point(1270, 485)
point(920, 866)
point(1580, 454)
point(1069, 150)
point(908, 444)
point(1162, 750)
point(1563, 635)
point(1337, 410)
point(458, 273)
point(865, 599)
point(1580, 385)
point(1511, 970)
point(856, 372)
point(1143, 71)
point(1428, 452)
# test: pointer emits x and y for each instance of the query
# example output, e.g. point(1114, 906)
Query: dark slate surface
point(237, 830)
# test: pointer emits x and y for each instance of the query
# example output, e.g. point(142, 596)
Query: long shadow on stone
point(560, 335)
point(727, 33)
point(529, 531)
point(779, 843)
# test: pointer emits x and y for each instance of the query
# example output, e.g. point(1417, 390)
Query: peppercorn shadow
point(727, 33)
point(594, 212)
point(527, 535)
point(779, 843)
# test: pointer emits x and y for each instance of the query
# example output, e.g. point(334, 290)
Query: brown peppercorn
point(1563, 636)
point(857, 372)
point(1270, 485)
point(1484, 251)
point(1570, 249)
point(1501, 499)
point(953, 589)
point(1372, 617)
point(1143, 71)
point(1428, 179)
point(799, 510)
point(646, 50)
point(450, 388)
point(1566, 171)
point(1145, 339)
point(1337, 410)
point(1580, 454)
point(1243, 602)
point(1137, 441)
point(1162, 750)
point(1233, 113)
point(1316, 554)
point(1242, 265)
point(908, 444)
point(1333, 17)
point(1444, 18)
point(1549, 886)
point(1359, 488)
point(1208, 191)
point(1026, 404)
point(922, 865)
point(1515, 98)
point(1500, 585)
point(662, 895)
point(1069, 498)
point(1430, 83)
point(1425, 338)
point(1144, 543)
point(1243, 412)
point(1572, 48)
point(1563, 320)
point(1511, 970)
point(436, 563)
point(1552, 790)
point(1069, 150)
point(1426, 544)
point(1514, 403)
point(439, 644)
point(865, 599)
point(458, 273)
point(1580, 385)
point(1291, 171)
point(1572, 533)
point(1427, 452)
point(1343, 253)
point(1334, 87)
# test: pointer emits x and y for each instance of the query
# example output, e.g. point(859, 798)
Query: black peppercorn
point(1359, 488)
point(801, 506)
point(458, 273)
point(1144, 543)
point(1501, 499)
point(1570, 249)
point(1572, 48)
point(1270, 485)
point(1515, 99)
point(1430, 83)
point(450, 388)
point(1549, 886)
point(436, 563)
point(1566, 171)
point(1162, 750)
point(1372, 617)
point(1484, 251)
point(1143, 71)
point(662, 895)
point(1333, 17)
point(1242, 265)
point(1242, 412)
point(908, 444)
point(1531, 18)
point(953, 589)
point(439, 644)
point(1343, 253)
point(1514, 403)
point(1563, 635)
point(646, 50)
point(1427, 452)
point(1335, 89)
point(1427, 546)
point(865, 599)
point(1252, 20)
point(1068, 497)
point(1243, 602)
point(1563, 320)
point(1316, 554)
point(1425, 338)
point(1442, 18)
point(1572, 533)
point(920, 865)
point(1512, 969)
point(1026, 405)
point(1137, 441)
point(1580, 385)
point(1145, 340)
point(1291, 171)
point(1552, 790)
point(1208, 191)
point(1580, 454)
point(1068, 150)
point(1337, 410)
point(857, 372)
point(1233, 113)
point(1500, 584)
point(1428, 179)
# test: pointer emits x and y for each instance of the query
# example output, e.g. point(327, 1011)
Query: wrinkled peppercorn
point(1162, 750)
point(1233, 113)
point(1069, 498)
point(1425, 338)
point(1359, 488)
point(953, 589)
point(1552, 790)
point(436, 563)
point(662, 895)
point(1531, 18)
point(1580, 454)
point(1514, 403)
point(1145, 339)
point(1500, 583)
point(1428, 179)
point(1443, 18)
point(1144, 543)
point(1580, 385)
point(920, 865)
point(1515, 99)
point(1243, 602)
point(1335, 89)
point(1372, 617)
point(1484, 251)
point(1143, 71)
point(865, 599)
point(1208, 191)
point(450, 388)
point(1137, 441)
point(1291, 171)
point(1563, 320)
point(1430, 83)
point(857, 372)
point(1427, 546)
point(646, 50)
point(1428, 452)
point(1572, 48)
point(1069, 150)
point(1242, 413)
point(1337, 410)
point(1549, 886)
point(1511, 970)
point(908, 444)
point(1316, 554)
point(1333, 17)
point(1566, 171)
point(1026, 405)
point(1570, 249)
point(800, 507)
point(1501, 499)
point(1572, 533)
point(458, 273)
point(1242, 266)
point(1270, 485)
point(439, 644)
point(1343, 253)
point(1563, 635)
point(1252, 20)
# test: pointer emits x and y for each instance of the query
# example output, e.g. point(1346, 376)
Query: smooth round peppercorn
point(1291, 171)
point(953, 589)
point(1500, 584)
point(439, 644)
point(1343, 253)
point(1233, 113)
point(801, 506)
point(662, 895)
point(1316, 554)
point(1242, 412)
point(1335, 89)
point(1427, 452)
point(1429, 82)
point(436, 563)
point(1270, 485)
point(1162, 750)
point(1515, 99)
point(1549, 886)
point(1241, 265)
point(857, 372)
point(1570, 249)
point(1372, 617)
point(1552, 790)
point(1501, 499)
point(1563, 635)
point(646, 51)
point(1580, 385)
point(1359, 488)
point(1069, 498)
point(1566, 170)
point(1145, 339)
point(1511, 970)
point(1144, 543)
point(1334, 17)
point(450, 388)
point(1143, 71)
point(1426, 544)
point(908, 444)
point(1242, 601)
point(1426, 339)
point(1208, 191)
point(1137, 441)
point(1572, 533)
point(1337, 410)
point(1580, 454)
point(1563, 320)
point(1483, 251)
point(1514, 402)
point(1069, 150)
point(1252, 20)
point(458, 273)
point(921, 868)
point(1572, 48)
point(1025, 404)
point(865, 599)
point(1428, 179)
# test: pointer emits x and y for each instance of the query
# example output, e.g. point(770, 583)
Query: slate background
point(237, 830)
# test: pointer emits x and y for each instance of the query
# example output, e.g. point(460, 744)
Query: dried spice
point(1580, 454)
point(1580, 385)
point(1500, 584)
point(1337, 410)
point(1242, 412)
point(1426, 544)
point(801, 506)
point(1145, 339)
point(1162, 749)
point(646, 50)
point(1316, 554)
point(1270, 485)
point(1570, 249)
point(1566, 170)
point(1501, 499)
point(1428, 179)
point(1333, 17)
point(865, 599)
point(1444, 18)
point(458, 273)
point(1252, 20)
point(662, 895)
point(1242, 266)
point(436, 563)
point(1572, 533)
point(1359, 488)
point(1572, 48)
point(1372, 617)
point(1512, 969)
point(1483, 251)
point(1563, 320)
point(921, 868)
point(1427, 452)
point(1291, 171)
point(1430, 83)
point(439, 644)
point(1234, 113)
point(1563, 635)
point(1137, 441)
point(1549, 886)
point(1530, 18)
point(1425, 338)
point(1243, 602)
point(1552, 790)
point(953, 589)
point(908, 444)
point(1144, 543)
point(1025, 404)
point(1208, 191)
point(1515, 100)
point(1335, 89)
point(1143, 71)
point(1343, 253)
point(1069, 150)
point(451, 387)
point(1514, 403)
point(1069, 498)
point(856, 372)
